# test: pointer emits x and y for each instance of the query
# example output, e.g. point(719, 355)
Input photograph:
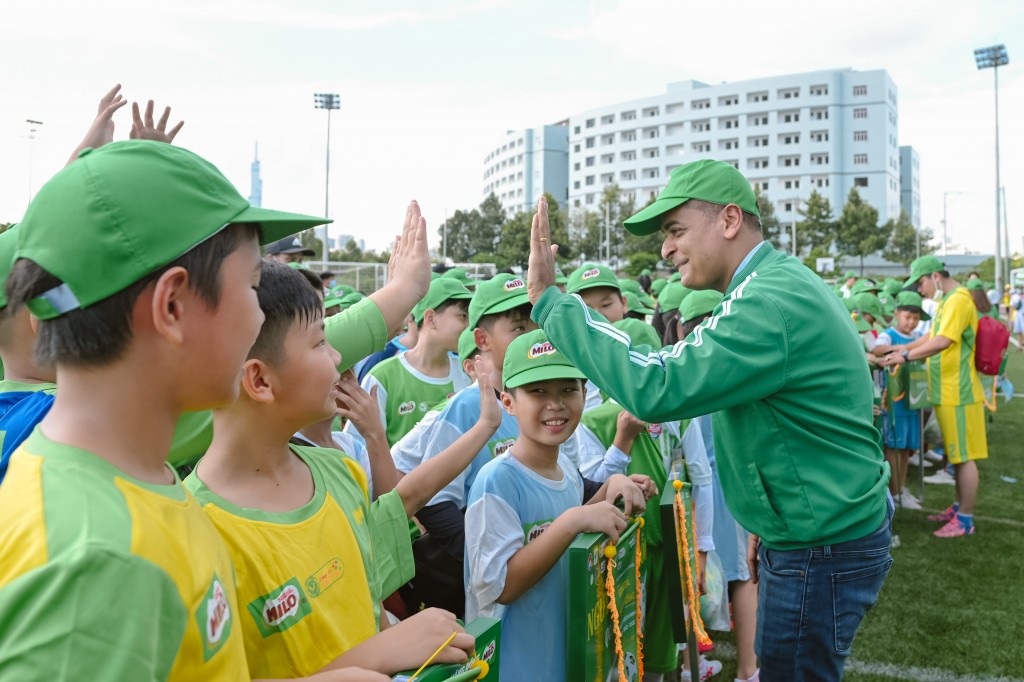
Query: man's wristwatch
point(905, 354)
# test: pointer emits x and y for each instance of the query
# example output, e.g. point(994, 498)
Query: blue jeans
point(811, 602)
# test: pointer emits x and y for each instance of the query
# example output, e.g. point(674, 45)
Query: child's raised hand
point(490, 410)
point(621, 487)
point(602, 517)
point(357, 406)
point(423, 632)
point(145, 129)
point(101, 131)
point(646, 485)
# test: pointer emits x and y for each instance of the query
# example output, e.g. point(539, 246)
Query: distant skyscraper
point(256, 195)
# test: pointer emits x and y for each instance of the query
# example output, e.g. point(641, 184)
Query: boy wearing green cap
point(953, 384)
point(599, 288)
point(408, 385)
point(901, 426)
point(778, 364)
point(316, 605)
point(162, 330)
point(525, 509)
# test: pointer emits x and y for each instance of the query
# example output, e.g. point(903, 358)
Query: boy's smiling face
point(606, 300)
point(548, 412)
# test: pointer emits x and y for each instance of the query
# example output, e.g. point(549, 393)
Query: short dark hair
point(669, 318)
point(686, 328)
point(99, 334)
point(285, 296)
point(326, 275)
point(311, 278)
point(711, 211)
point(451, 302)
point(487, 321)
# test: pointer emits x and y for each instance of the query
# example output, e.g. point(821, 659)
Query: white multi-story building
point(910, 185)
point(527, 164)
point(826, 130)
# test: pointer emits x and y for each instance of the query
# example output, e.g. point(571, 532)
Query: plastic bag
point(714, 605)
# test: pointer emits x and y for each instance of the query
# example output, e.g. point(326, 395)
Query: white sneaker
point(933, 456)
point(915, 461)
point(940, 478)
point(708, 669)
point(908, 501)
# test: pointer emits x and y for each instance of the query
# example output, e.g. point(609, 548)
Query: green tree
point(514, 246)
point(817, 230)
point(460, 228)
point(643, 246)
point(311, 241)
point(857, 231)
point(903, 241)
point(585, 234)
point(5, 226)
point(639, 261)
point(770, 225)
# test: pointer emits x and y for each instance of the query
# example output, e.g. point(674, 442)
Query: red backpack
point(990, 345)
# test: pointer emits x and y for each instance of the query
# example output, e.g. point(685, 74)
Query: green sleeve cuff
point(546, 304)
point(357, 332)
point(392, 545)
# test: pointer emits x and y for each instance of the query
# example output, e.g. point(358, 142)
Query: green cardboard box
point(590, 641)
point(488, 648)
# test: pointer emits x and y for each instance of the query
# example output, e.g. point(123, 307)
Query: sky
point(429, 88)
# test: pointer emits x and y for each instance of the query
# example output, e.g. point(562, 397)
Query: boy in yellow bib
point(313, 557)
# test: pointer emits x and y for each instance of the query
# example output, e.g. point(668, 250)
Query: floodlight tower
point(992, 57)
point(330, 102)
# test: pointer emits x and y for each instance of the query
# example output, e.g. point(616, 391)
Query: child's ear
point(257, 381)
point(482, 339)
point(508, 403)
point(167, 305)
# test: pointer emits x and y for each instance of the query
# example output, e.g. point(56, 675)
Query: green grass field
point(951, 609)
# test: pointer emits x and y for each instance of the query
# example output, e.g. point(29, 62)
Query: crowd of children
point(359, 471)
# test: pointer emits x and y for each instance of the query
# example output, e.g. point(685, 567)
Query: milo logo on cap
point(590, 274)
point(540, 349)
point(514, 284)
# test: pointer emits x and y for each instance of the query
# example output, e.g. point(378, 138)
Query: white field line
point(897, 672)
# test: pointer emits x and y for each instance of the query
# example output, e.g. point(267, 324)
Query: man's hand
point(541, 274)
point(702, 570)
point(101, 131)
point(752, 560)
point(143, 128)
point(891, 359)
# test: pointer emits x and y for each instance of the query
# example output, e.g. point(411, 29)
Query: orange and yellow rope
point(683, 546)
point(639, 607)
point(609, 586)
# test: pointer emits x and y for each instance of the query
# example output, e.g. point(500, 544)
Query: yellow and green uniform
point(953, 381)
point(106, 577)
point(310, 581)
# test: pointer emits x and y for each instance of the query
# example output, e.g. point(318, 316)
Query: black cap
point(289, 245)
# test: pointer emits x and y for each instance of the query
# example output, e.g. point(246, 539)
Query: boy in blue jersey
point(525, 509)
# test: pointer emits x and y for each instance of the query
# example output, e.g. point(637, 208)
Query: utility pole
point(330, 102)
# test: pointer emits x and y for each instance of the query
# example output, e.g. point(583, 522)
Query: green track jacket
point(782, 368)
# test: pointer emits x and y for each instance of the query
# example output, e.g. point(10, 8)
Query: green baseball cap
point(891, 287)
point(631, 285)
point(441, 290)
point(498, 294)
point(975, 285)
point(864, 286)
point(672, 296)
point(675, 277)
point(716, 182)
point(467, 344)
point(298, 266)
point(869, 304)
point(8, 242)
point(561, 279)
point(590, 275)
point(850, 274)
point(849, 303)
point(912, 299)
point(435, 275)
point(460, 275)
point(925, 265)
point(699, 303)
point(634, 305)
point(531, 358)
point(658, 285)
point(123, 211)
point(640, 333)
point(332, 301)
point(350, 299)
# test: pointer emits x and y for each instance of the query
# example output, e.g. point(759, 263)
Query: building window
point(819, 136)
point(628, 175)
point(576, 184)
point(576, 130)
point(607, 158)
point(757, 119)
point(860, 90)
point(650, 133)
point(788, 206)
point(701, 104)
point(607, 139)
point(576, 203)
point(701, 126)
point(860, 113)
point(629, 136)
point(590, 142)
point(651, 153)
point(819, 90)
point(701, 147)
point(757, 141)
point(590, 161)
point(819, 114)
point(629, 156)
point(650, 112)
point(729, 144)
point(789, 93)
point(608, 119)
point(860, 136)
point(728, 123)
point(728, 100)
point(789, 161)
point(819, 159)
point(608, 178)
point(590, 123)
point(627, 116)
point(590, 199)
point(860, 182)
point(860, 159)
point(650, 172)
point(756, 164)
point(820, 182)
point(791, 138)
point(791, 117)
point(575, 147)
point(792, 184)
point(757, 97)
point(589, 180)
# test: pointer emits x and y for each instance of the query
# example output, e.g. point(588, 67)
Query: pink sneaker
point(945, 516)
point(953, 529)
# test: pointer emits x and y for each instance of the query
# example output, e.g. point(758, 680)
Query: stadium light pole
point(32, 130)
point(992, 57)
point(330, 102)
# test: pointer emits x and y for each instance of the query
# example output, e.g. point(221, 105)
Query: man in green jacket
point(783, 370)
